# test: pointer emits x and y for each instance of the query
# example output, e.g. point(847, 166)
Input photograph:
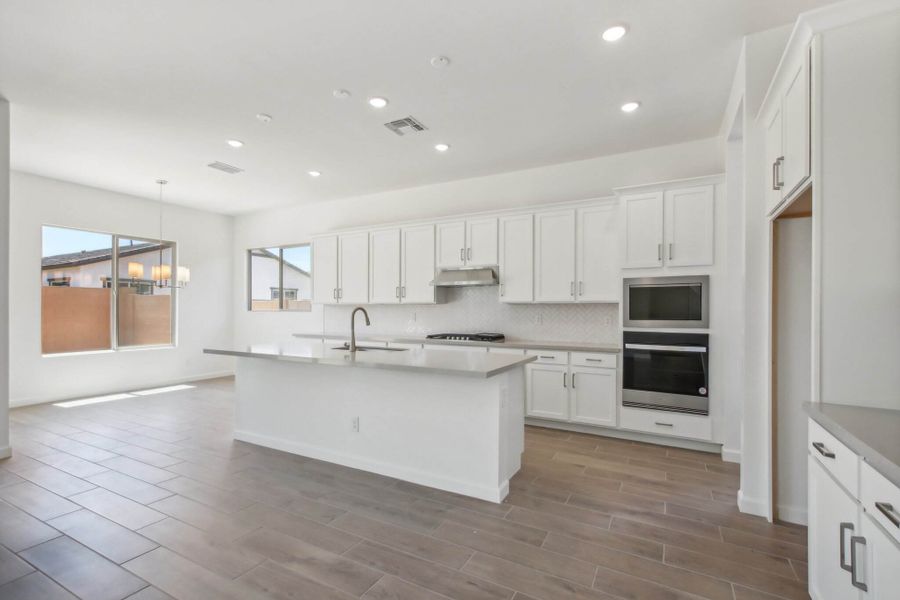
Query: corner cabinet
point(671, 227)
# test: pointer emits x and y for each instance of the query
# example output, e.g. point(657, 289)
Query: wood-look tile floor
point(149, 497)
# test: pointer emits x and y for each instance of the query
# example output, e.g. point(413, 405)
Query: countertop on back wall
point(873, 433)
point(514, 343)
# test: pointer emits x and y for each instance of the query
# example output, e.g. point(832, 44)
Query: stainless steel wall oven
point(666, 371)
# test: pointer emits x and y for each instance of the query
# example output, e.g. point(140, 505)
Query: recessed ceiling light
point(630, 106)
point(442, 147)
point(235, 143)
point(341, 94)
point(264, 117)
point(615, 33)
point(378, 102)
point(314, 173)
point(439, 62)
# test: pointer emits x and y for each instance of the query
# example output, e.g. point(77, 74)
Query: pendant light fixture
point(162, 273)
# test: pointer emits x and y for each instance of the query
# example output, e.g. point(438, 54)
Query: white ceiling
point(115, 93)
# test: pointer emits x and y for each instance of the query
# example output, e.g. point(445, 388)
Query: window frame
point(114, 294)
point(280, 288)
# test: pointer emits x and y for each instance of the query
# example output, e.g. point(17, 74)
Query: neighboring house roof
point(86, 257)
point(263, 253)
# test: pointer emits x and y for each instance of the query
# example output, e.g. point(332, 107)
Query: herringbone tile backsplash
point(469, 310)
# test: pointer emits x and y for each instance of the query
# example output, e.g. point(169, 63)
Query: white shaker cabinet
point(547, 391)
point(325, 269)
point(642, 238)
point(688, 226)
point(881, 565)
point(417, 265)
point(353, 272)
point(384, 266)
point(593, 396)
point(774, 183)
point(470, 243)
point(554, 256)
point(516, 250)
point(597, 254)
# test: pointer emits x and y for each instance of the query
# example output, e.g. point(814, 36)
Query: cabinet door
point(417, 266)
point(384, 266)
point(517, 259)
point(689, 224)
point(642, 237)
point(774, 159)
point(481, 240)
point(547, 391)
point(829, 507)
point(554, 256)
point(795, 131)
point(325, 269)
point(353, 257)
point(597, 254)
point(593, 396)
point(880, 571)
point(451, 244)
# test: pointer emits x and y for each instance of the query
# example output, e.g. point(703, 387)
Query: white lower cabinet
point(547, 392)
point(593, 396)
point(559, 388)
point(881, 566)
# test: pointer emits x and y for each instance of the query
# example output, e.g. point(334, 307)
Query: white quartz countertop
point(446, 362)
point(518, 344)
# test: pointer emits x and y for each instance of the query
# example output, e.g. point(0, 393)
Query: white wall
point(204, 312)
point(794, 294)
point(557, 183)
point(4, 277)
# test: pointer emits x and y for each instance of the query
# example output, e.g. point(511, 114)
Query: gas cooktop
point(468, 337)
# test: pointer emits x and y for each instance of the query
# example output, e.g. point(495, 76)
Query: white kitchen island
point(448, 420)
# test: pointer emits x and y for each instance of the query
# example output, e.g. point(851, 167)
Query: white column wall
point(4, 278)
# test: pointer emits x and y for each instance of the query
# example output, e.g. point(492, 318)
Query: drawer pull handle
point(664, 424)
point(594, 360)
point(856, 539)
point(823, 450)
point(887, 509)
point(845, 527)
point(542, 356)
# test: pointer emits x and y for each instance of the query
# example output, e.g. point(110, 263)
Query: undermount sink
point(365, 348)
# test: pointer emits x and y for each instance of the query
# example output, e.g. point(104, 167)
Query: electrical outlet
point(356, 424)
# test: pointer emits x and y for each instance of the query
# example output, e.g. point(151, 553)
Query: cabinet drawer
point(695, 427)
point(838, 459)
point(594, 359)
point(880, 499)
point(549, 357)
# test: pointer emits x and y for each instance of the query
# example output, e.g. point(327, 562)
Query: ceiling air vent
point(225, 167)
point(405, 125)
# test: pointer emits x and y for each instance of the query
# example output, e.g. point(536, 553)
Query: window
point(102, 292)
point(280, 278)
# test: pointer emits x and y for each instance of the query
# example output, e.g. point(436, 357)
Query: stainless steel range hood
point(465, 277)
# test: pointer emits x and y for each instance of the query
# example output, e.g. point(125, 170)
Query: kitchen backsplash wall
point(474, 309)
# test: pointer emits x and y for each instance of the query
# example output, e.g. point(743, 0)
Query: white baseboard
point(5, 452)
point(14, 403)
point(389, 470)
point(792, 514)
point(731, 455)
point(752, 506)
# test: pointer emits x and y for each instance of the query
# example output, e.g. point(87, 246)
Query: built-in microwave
point(663, 302)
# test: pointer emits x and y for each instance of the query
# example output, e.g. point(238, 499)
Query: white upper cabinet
point(554, 256)
point(688, 226)
point(353, 274)
point(786, 119)
point(417, 265)
point(642, 238)
point(451, 245)
point(467, 243)
point(673, 227)
point(597, 254)
point(481, 242)
point(517, 258)
point(384, 266)
point(325, 269)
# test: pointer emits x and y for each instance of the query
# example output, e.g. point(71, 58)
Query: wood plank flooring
point(150, 498)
